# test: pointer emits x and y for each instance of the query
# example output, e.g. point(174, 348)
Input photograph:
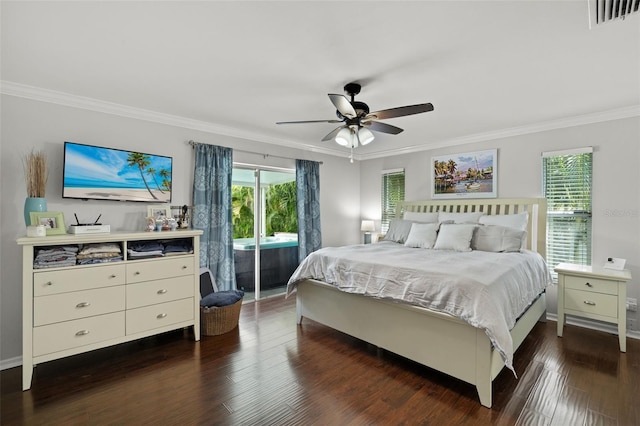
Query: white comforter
point(487, 290)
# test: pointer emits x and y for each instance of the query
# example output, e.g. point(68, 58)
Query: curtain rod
point(265, 156)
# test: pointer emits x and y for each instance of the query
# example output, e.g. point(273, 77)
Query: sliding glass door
point(264, 205)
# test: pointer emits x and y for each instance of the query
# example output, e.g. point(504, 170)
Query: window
point(567, 179)
point(392, 193)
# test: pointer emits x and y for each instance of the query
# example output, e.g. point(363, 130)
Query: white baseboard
point(594, 325)
point(5, 364)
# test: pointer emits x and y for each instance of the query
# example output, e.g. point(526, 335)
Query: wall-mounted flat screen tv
point(98, 173)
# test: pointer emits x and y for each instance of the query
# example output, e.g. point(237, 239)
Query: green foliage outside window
point(280, 205)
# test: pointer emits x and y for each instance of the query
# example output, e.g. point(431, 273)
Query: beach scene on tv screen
point(109, 174)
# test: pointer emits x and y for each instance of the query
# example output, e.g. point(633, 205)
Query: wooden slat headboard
point(536, 207)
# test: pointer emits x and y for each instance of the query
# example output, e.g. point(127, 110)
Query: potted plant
point(35, 169)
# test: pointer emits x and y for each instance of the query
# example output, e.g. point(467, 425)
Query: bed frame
point(436, 340)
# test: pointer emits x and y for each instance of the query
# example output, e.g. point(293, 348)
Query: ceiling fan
point(358, 122)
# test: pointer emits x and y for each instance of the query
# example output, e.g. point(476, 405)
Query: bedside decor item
point(35, 170)
point(367, 227)
point(467, 175)
point(53, 222)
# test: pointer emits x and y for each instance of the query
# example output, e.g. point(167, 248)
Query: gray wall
point(28, 124)
point(616, 179)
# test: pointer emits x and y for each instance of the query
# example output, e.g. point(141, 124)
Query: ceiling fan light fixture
point(365, 135)
point(344, 137)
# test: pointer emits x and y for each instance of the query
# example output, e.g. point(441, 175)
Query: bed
point(447, 340)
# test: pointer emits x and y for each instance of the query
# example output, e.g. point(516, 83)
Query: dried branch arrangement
point(35, 169)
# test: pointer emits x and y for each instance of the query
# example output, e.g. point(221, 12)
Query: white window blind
point(567, 187)
point(392, 193)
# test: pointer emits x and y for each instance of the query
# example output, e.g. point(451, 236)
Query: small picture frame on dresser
point(53, 222)
point(161, 212)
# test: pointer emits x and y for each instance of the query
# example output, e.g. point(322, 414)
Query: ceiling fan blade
point(400, 111)
point(383, 127)
point(333, 133)
point(309, 121)
point(343, 105)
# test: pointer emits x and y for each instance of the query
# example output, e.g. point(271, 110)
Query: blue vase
point(33, 204)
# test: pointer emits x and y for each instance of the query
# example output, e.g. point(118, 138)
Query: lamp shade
point(367, 226)
point(365, 136)
point(344, 137)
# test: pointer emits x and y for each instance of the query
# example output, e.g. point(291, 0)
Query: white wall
point(616, 179)
point(28, 124)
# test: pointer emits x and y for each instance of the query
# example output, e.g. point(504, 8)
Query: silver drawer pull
point(112, 276)
point(588, 284)
point(83, 304)
point(49, 283)
point(136, 273)
point(82, 333)
point(184, 267)
point(160, 316)
point(590, 303)
point(162, 291)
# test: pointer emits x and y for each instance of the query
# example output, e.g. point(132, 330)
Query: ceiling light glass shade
point(344, 137)
point(365, 136)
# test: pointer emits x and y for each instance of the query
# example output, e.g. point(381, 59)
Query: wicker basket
point(219, 320)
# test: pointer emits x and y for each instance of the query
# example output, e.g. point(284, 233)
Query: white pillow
point(497, 238)
point(518, 221)
point(398, 230)
point(421, 217)
point(459, 217)
point(422, 235)
point(454, 237)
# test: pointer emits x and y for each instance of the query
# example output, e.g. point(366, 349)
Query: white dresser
point(75, 309)
point(593, 292)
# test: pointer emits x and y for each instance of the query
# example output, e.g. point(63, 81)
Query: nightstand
point(593, 292)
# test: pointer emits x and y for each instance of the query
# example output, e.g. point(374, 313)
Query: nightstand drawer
point(591, 303)
point(591, 284)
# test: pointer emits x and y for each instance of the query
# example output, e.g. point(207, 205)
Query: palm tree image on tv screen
point(92, 172)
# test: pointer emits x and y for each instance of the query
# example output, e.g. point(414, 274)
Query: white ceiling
point(490, 68)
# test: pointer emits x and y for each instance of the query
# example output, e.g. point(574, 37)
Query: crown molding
point(65, 99)
point(616, 114)
point(61, 98)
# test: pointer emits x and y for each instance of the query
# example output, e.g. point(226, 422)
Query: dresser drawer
point(159, 291)
point(591, 284)
point(79, 304)
point(80, 278)
point(591, 303)
point(156, 269)
point(156, 316)
point(73, 334)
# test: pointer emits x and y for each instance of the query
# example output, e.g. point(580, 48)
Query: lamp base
point(367, 238)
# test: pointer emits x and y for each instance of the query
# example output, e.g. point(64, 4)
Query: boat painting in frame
point(466, 175)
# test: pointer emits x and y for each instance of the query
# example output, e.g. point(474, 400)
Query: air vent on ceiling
point(601, 11)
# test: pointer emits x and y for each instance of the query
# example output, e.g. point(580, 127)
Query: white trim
point(575, 151)
point(52, 96)
point(6, 364)
point(391, 171)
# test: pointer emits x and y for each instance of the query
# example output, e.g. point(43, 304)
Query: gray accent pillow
point(398, 230)
point(496, 238)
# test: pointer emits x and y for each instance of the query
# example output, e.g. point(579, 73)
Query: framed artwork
point(467, 175)
point(159, 212)
point(53, 222)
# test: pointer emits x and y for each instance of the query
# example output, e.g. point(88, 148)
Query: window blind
point(392, 193)
point(567, 187)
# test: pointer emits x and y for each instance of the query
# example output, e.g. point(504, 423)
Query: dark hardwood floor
point(270, 371)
